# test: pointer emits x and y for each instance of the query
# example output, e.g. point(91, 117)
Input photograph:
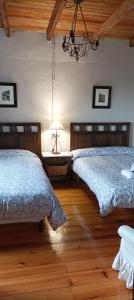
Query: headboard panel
point(84, 135)
point(25, 136)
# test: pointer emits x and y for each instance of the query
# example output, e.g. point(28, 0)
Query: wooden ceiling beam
point(4, 17)
point(115, 18)
point(57, 11)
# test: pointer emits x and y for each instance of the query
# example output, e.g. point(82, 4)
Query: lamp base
point(55, 152)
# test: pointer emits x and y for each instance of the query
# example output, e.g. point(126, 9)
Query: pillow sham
point(132, 168)
point(101, 151)
point(15, 152)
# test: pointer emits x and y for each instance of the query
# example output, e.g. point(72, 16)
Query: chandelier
point(78, 45)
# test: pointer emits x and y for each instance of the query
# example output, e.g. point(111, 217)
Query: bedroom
point(82, 249)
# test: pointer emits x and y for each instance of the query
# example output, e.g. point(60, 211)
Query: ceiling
point(104, 18)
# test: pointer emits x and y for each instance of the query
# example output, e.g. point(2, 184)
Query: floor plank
point(73, 263)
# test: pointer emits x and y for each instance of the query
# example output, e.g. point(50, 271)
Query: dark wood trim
point(95, 87)
point(25, 136)
point(41, 226)
point(133, 291)
point(85, 134)
point(14, 94)
point(131, 41)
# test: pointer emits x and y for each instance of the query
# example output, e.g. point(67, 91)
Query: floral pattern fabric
point(101, 151)
point(25, 190)
point(102, 173)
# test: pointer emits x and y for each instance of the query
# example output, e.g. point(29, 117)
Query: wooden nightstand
point(57, 166)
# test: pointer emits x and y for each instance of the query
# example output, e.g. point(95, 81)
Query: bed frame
point(85, 135)
point(25, 136)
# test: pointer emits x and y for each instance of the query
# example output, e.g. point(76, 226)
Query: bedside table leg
point(41, 226)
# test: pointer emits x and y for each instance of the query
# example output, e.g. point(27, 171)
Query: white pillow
point(132, 168)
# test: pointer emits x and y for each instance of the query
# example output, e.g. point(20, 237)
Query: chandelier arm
point(84, 20)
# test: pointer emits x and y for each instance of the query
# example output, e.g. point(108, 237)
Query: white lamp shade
point(56, 125)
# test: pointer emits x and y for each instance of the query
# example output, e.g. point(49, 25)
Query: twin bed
point(100, 153)
point(26, 194)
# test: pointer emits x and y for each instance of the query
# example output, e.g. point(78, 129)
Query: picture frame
point(8, 94)
point(101, 97)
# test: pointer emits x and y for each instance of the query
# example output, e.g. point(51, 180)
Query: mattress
point(101, 169)
point(25, 191)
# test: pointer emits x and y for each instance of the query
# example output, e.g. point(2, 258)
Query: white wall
point(25, 58)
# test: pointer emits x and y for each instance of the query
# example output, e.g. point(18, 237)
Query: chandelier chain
point(74, 20)
point(83, 20)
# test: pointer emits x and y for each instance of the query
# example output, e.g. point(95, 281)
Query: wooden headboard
point(25, 136)
point(84, 135)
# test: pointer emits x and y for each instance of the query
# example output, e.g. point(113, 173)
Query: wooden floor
point(72, 263)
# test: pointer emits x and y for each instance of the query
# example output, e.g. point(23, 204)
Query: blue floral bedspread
point(25, 190)
point(101, 169)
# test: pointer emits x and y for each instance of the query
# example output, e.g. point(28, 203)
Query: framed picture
point(8, 94)
point(101, 96)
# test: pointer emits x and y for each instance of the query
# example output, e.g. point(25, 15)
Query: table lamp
point(56, 125)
